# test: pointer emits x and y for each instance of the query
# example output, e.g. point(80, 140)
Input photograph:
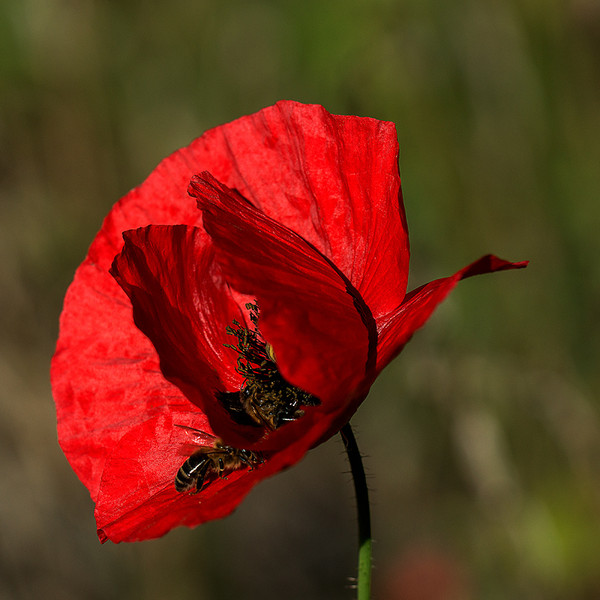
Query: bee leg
point(244, 460)
point(201, 477)
point(221, 469)
point(250, 459)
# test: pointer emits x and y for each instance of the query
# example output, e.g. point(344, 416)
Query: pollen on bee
point(270, 352)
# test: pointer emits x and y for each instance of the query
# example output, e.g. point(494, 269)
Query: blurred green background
point(482, 439)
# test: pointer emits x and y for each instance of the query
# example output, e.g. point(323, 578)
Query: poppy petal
point(332, 179)
point(398, 327)
point(308, 310)
point(105, 373)
point(183, 304)
point(138, 500)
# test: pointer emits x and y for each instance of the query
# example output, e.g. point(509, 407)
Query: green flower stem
point(363, 580)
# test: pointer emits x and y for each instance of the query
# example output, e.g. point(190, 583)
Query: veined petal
point(105, 374)
point(398, 327)
point(318, 325)
point(183, 304)
point(138, 500)
point(332, 179)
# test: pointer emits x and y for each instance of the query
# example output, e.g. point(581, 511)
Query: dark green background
point(482, 439)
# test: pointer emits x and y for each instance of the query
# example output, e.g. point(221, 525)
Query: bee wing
point(195, 438)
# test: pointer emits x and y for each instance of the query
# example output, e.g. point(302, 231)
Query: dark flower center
point(266, 399)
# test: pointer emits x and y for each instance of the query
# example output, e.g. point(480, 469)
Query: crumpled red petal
point(309, 312)
point(137, 498)
point(183, 304)
point(398, 327)
point(105, 374)
point(332, 179)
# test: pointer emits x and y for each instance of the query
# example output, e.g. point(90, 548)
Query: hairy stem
point(363, 580)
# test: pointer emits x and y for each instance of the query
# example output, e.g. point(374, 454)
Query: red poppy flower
point(239, 319)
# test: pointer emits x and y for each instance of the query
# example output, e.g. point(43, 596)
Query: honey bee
point(267, 403)
point(209, 462)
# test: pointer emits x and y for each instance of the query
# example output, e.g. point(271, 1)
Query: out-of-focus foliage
point(483, 438)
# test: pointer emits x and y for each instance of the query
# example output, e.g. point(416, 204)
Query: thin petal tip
point(490, 263)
